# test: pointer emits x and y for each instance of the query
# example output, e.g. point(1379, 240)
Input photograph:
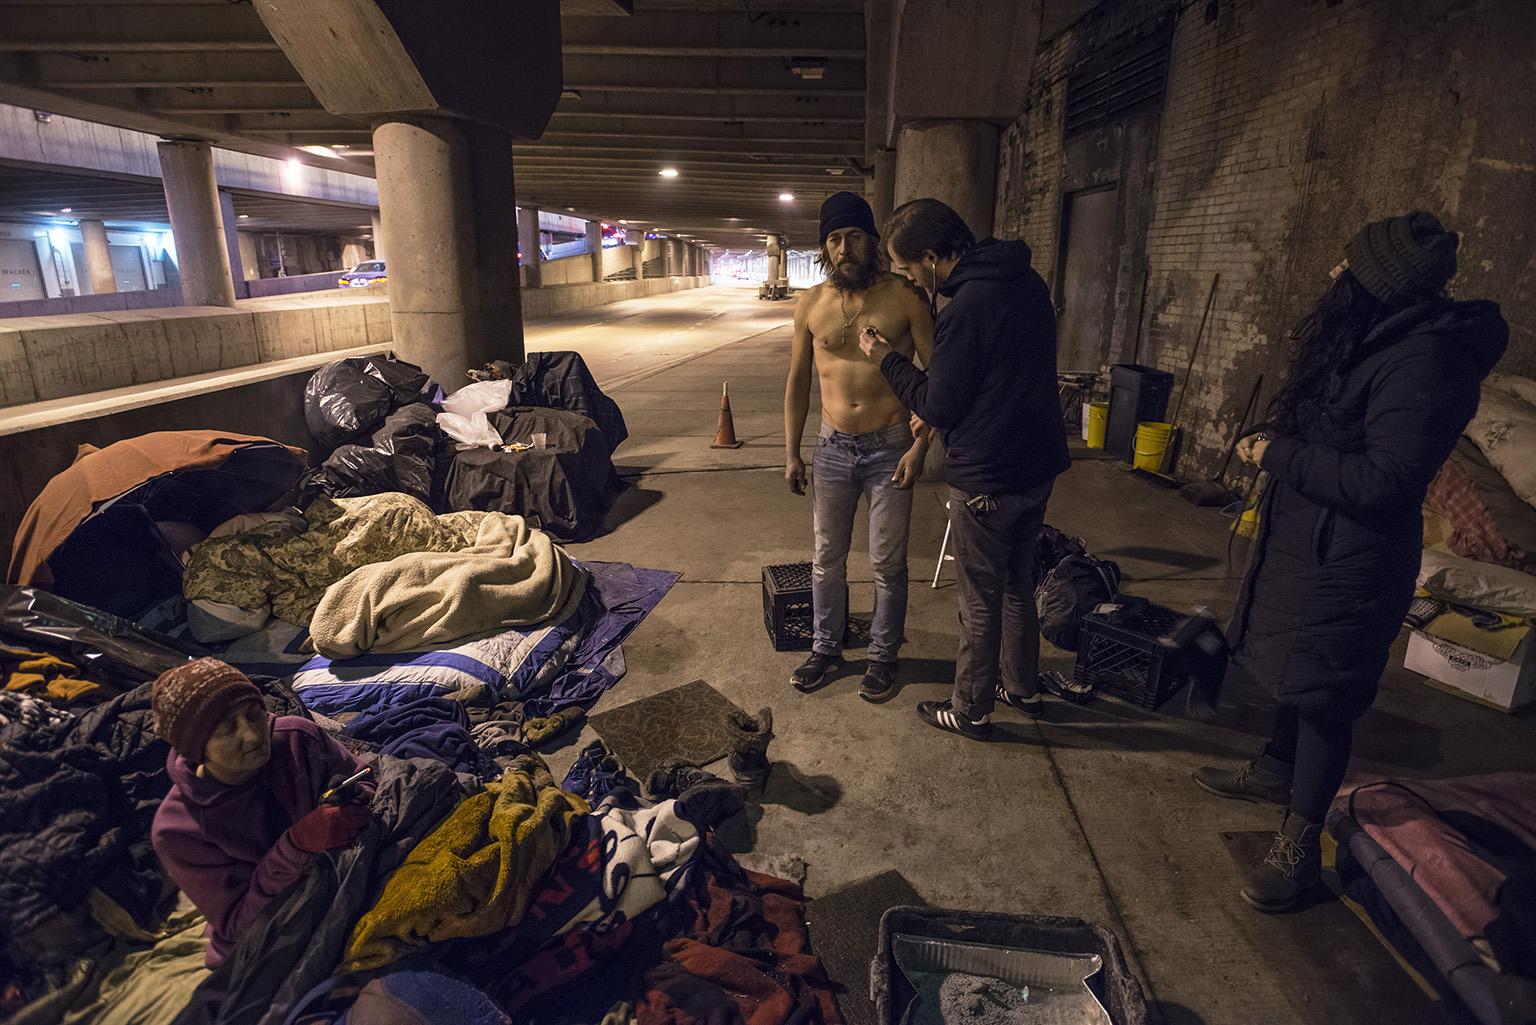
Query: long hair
point(924, 224)
point(867, 273)
point(1325, 344)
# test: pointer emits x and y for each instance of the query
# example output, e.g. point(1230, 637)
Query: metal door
point(128, 268)
point(21, 276)
point(1083, 284)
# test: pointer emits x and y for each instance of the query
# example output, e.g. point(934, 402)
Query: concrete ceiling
point(708, 87)
point(44, 197)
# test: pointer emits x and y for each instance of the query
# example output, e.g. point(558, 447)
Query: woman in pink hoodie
point(244, 816)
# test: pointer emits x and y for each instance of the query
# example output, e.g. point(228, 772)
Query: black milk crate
point(1140, 663)
point(787, 606)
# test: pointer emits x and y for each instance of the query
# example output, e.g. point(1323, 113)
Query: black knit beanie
point(846, 210)
point(1403, 258)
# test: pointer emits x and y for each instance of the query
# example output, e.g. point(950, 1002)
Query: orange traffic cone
point(725, 434)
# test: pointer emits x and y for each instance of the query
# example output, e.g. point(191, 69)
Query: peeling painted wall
point(1286, 124)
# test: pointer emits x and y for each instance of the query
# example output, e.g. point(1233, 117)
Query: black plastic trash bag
point(1051, 546)
point(561, 380)
point(103, 645)
point(350, 398)
point(401, 456)
point(1071, 590)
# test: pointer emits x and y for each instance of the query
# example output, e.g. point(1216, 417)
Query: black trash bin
point(1136, 394)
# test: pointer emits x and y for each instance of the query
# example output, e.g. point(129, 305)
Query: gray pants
point(999, 630)
point(846, 467)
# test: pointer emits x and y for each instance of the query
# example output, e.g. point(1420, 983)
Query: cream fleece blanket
point(512, 575)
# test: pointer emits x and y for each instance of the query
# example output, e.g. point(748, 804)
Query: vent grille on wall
point(1129, 77)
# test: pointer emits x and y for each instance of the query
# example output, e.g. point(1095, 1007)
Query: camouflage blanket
point(281, 566)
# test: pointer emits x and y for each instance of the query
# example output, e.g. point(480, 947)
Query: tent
point(107, 531)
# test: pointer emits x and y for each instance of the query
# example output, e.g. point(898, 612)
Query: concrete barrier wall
point(568, 270)
point(45, 358)
point(549, 302)
point(256, 288)
point(106, 302)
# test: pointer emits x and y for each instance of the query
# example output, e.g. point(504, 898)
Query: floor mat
point(845, 931)
point(1362, 980)
point(690, 724)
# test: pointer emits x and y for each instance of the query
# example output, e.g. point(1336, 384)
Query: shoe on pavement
point(1265, 780)
point(813, 672)
point(1068, 688)
point(1293, 866)
point(749, 762)
point(879, 682)
point(942, 715)
point(1033, 708)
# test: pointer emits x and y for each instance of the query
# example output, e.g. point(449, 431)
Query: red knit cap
point(191, 700)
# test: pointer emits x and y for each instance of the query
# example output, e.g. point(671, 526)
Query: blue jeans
point(845, 467)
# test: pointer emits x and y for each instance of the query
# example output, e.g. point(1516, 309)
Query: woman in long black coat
point(1385, 377)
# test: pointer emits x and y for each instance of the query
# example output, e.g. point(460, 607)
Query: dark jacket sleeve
point(943, 396)
point(1417, 408)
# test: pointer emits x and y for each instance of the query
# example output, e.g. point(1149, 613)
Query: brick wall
point(1285, 125)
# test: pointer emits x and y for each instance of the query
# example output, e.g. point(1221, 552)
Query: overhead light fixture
point(809, 69)
point(837, 170)
point(66, 209)
point(323, 151)
point(668, 172)
point(245, 217)
point(786, 197)
point(623, 221)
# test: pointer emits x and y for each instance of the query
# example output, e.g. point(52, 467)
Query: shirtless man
point(865, 445)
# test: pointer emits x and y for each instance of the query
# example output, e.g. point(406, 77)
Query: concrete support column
point(651, 249)
point(446, 197)
point(192, 195)
point(98, 258)
point(232, 239)
point(595, 249)
point(378, 237)
point(954, 162)
point(528, 242)
point(882, 187)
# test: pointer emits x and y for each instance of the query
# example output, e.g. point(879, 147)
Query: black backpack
point(1077, 585)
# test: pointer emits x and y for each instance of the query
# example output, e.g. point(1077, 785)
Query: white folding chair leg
point(943, 548)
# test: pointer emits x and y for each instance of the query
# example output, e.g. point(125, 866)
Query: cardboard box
point(1503, 685)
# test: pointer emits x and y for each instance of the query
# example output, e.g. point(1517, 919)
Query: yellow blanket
point(474, 874)
point(512, 575)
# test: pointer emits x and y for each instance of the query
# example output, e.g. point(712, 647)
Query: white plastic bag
point(464, 416)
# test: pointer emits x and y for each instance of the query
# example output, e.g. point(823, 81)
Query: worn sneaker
point(1293, 866)
point(1033, 708)
point(942, 715)
point(1264, 780)
point(813, 672)
point(1068, 688)
point(879, 682)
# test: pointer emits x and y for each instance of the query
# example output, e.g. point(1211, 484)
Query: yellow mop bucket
point(1152, 445)
point(1098, 424)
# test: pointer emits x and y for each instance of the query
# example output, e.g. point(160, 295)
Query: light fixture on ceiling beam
point(808, 69)
point(323, 151)
point(668, 172)
point(66, 209)
point(786, 197)
point(245, 217)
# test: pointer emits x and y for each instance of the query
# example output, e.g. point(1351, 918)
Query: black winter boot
point(749, 762)
point(1293, 866)
point(1265, 780)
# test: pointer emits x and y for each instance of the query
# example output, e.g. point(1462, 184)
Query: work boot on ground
point(1293, 866)
point(749, 762)
point(879, 682)
point(672, 779)
point(1265, 780)
point(813, 672)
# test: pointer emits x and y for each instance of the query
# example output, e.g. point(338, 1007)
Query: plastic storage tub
point(1118, 990)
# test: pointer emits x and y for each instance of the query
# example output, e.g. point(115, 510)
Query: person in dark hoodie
point(244, 816)
point(990, 391)
point(1385, 375)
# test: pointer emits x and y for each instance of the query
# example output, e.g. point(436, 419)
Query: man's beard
point(858, 276)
